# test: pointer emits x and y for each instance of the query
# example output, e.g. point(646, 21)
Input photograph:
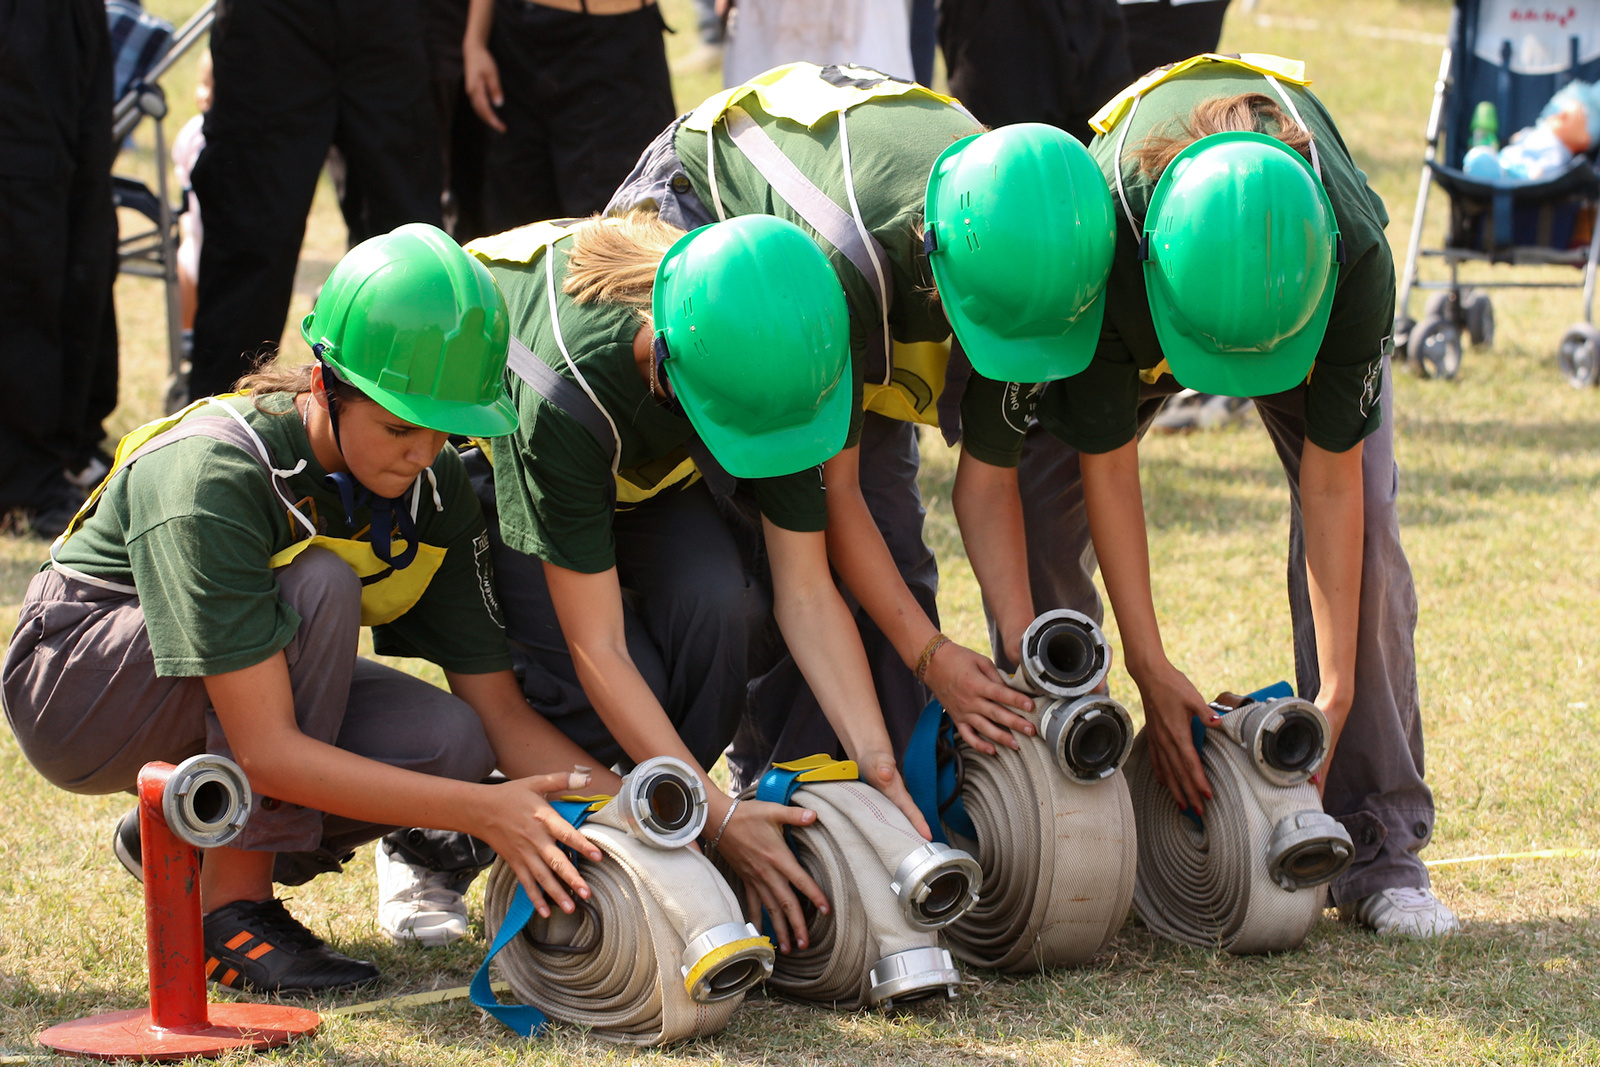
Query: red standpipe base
point(131, 1035)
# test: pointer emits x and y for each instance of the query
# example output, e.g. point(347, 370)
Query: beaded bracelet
point(935, 643)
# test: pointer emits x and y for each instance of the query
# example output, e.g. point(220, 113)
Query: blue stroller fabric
point(138, 40)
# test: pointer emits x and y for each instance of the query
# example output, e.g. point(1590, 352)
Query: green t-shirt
point(191, 526)
point(1096, 411)
point(553, 481)
point(893, 144)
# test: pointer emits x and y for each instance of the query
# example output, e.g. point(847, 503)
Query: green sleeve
point(1345, 389)
point(994, 418)
point(554, 491)
point(794, 502)
point(198, 549)
point(457, 622)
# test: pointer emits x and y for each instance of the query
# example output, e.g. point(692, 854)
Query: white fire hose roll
point(888, 889)
point(660, 951)
point(1058, 856)
point(1251, 875)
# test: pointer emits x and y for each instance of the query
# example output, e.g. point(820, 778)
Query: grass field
point(1500, 475)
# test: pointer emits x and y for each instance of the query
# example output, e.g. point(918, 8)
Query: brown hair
point(271, 376)
point(614, 260)
point(1248, 112)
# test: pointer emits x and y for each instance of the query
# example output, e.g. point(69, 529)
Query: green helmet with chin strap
point(419, 326)
point(1241, 255)
point(753, 337)
point(1020, 233)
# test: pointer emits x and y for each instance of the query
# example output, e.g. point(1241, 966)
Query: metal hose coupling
point(935, 885)
point(1089, 737)
point(663, 802)
point(913, 974)
point(206, 801)
point(725, 961)
point(1064, 655)
point(1286, 737)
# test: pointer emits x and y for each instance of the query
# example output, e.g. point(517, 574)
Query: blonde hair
point(1244, 112)
point(614, 260)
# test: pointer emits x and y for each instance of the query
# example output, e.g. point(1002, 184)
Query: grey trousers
point(696, 619)
point(1375, 786)
point(785, 721)
point(88, 710)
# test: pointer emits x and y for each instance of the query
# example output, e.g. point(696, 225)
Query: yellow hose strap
point(821, 768)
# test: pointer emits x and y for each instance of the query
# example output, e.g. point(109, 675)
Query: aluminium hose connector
point(725, 961)
point(206, 801)
point(936, 885)
point(913, 974)
point(663, 802)
point(1286, 737)
point(1308, 849)
point(1064, 654)
point(1089, 737)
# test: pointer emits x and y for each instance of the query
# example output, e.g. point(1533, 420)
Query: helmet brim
point(1201, 366)
point(776, 453)
point(497, 418)
point(1022, 359)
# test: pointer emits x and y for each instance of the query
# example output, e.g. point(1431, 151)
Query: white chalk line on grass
point(1380, 33)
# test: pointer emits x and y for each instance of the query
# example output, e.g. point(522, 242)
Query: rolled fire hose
point(659, 952)
point(889, 891)
point(1052, 823)
point(1252, 874)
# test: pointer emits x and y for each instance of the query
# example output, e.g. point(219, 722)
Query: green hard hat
point(418, 325)
point(756, 341)
point(1242, 252)
point(1020, 234)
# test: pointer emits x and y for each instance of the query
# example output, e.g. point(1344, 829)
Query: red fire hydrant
point(201, 803)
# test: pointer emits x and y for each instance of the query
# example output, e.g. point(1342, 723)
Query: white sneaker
point(1406, 911)
point(416, 904)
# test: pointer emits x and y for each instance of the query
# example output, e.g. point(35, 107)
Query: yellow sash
point(798, 92)
point(1289, 70)
point(386, 593)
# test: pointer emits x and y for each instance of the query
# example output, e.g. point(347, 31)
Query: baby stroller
point(1515, 55)
point(144, 48)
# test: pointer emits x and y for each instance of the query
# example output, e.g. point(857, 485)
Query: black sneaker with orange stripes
point(259, 947)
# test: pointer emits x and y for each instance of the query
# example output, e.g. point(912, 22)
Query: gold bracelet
point(935, 643)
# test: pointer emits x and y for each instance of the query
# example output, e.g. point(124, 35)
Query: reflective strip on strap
point(543, 379)
point(832, 222)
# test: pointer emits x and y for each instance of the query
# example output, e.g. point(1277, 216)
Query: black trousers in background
point(1159, 33)
point(292, 78)
point(1052, 61)
point(58, 239)
point(584, 95)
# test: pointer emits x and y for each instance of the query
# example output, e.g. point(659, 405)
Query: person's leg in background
point(267, 134)
point(58, 342)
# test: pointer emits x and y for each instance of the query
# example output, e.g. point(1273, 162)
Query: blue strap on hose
point(1197, 731)
point(777, 785)
point(524, 1019)
point(934, 788)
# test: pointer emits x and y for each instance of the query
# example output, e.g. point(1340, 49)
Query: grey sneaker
point(1404, 910)
point(416, 904)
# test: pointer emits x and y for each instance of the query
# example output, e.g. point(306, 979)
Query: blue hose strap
point(934, 788)
point(921, 767)
point(1275, 691)
point(524, 1019)
point(777, 785)
point(1197, 732)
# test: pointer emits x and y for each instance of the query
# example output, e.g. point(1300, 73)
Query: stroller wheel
point(1434, 348)
point(1479, 313)
point(1579, 356)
